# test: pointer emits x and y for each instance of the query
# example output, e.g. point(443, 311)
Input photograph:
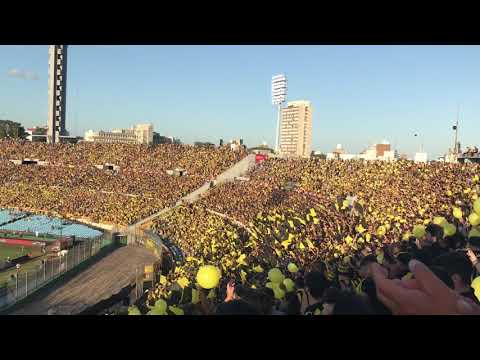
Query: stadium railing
point(23, 283)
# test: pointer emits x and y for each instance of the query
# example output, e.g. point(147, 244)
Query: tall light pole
point(279, 95)
point(455, 127)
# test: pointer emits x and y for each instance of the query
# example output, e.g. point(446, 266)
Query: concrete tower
point(57, 92)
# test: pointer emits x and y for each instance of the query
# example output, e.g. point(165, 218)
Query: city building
point(235, 144)
point(337, 153)
point(37, 134)
point(340, 154)
point(453, 154)
point(296, 129)
point(160, 139)
point(380, 151)
point(57, 92)
point(382, 148)
point(139, 134)
point(421, 157)
point(376, 151)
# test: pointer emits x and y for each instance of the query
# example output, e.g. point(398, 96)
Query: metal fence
point(22, 283)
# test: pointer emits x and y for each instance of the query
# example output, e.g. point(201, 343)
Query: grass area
point(15, 252)
point(31, 265)
point(12, 251)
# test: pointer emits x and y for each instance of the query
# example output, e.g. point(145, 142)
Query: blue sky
point(360, 94)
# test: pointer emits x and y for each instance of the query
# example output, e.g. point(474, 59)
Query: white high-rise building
point(296, 129)
point(57, 92)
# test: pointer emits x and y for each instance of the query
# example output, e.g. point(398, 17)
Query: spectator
point(340, 302)
point(364, 268)
point(236, 307)
point(459, 268)
point(311, 296)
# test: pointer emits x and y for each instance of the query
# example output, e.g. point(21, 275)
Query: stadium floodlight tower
point(57, 92)
point(279, 96)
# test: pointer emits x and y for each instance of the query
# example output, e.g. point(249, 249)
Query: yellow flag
point(349, 240)
point(183, 282)
point(310, 244)
point(258, 269)
point(243, 276)
point(286, 243)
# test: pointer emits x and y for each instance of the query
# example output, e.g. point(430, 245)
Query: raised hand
point(424, 295)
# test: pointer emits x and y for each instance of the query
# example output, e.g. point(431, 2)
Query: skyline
point(361, 94)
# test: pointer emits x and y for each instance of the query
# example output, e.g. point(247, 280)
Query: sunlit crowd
point(70, 185)
point(317, 237)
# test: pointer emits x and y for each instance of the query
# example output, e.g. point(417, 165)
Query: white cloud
point(22, 74)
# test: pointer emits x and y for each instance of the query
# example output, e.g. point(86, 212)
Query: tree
point(12, 130)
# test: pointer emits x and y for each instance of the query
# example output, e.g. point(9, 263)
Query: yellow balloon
point(476, 287)
point(275, 276)
point(289, 284)
point(292, 268)
point(474, 219)
point(161, 305)
point(208, 276)
point(476, 206)
point(439, 220)
point(449, 229)
point(457, 213)
point(279, 293)
point(474, 232)
point(419, 231)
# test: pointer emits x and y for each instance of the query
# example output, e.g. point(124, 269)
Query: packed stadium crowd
point(327, 237)
point(70, 185)
point(300, 237)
